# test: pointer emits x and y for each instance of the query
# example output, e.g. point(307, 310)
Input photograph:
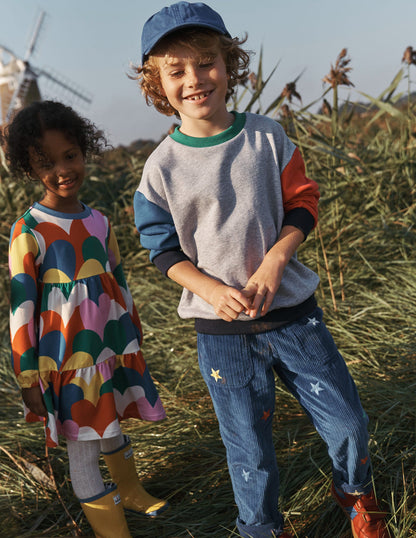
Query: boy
point(222, 206)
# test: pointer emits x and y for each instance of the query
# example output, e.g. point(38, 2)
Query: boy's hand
point(228, 302)
point(263, 285)
point(34, 401)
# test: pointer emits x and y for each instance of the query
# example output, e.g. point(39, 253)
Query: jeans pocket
point(225, 360)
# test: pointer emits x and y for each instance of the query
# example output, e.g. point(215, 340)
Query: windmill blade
point(26, 78)
point(67, 85)
point(35, 36)
point(19, 80)
point(76, 91)
point(10, 67)
point(23, 82)
point(4, 50)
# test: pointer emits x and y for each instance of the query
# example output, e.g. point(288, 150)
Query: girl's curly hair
point(29, 125)
point(204, 42)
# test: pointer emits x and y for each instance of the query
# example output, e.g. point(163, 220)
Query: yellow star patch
point(215, 374)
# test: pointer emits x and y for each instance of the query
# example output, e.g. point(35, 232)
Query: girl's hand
point(34, 401)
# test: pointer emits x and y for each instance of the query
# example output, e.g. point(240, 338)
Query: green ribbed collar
point(228, 134)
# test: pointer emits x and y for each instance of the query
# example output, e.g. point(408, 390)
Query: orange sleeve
point(297, 189)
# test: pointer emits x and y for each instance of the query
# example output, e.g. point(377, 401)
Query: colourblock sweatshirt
point(221, 202)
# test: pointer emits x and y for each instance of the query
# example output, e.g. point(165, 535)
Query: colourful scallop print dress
point(74, 328)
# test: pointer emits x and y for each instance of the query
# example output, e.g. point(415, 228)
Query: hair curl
point(199, 41)
point(29, 125)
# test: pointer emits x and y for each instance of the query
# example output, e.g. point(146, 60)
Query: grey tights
point(83, 464)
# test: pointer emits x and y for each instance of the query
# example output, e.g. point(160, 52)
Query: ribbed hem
point(272, 320)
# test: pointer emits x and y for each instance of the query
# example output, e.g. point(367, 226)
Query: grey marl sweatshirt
point(221, 202)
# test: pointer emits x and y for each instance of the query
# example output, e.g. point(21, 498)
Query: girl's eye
point(73, 154)
point(45, 165)
point(206, 65)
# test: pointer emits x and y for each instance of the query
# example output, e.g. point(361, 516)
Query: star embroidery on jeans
point(364, 460)
point(316, 388)
point(266, 415)
point(215, 374)
point(246, 475)
point(313, 321)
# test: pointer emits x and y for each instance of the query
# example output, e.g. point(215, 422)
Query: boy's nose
point(193, 78)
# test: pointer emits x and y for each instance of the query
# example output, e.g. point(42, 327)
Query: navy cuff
point(300, 218)
point(165, 260)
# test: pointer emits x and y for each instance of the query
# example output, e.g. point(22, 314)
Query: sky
point(92, 44)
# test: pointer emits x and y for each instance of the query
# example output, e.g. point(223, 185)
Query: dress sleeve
point(23, 270)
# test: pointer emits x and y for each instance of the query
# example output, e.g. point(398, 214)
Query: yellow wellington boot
point(105, 514)
point(123, 472)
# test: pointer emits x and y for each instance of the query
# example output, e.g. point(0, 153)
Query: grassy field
point(364, 252)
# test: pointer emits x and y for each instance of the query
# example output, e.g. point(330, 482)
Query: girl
point(75, 332)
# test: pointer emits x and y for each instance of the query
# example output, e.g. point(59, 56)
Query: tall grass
point(364, 253)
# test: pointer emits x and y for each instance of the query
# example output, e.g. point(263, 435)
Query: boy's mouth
point(198, 97)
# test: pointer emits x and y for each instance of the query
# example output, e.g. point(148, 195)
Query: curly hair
point(29, 125)
point(201, 41)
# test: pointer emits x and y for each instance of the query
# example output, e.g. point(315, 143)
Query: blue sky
point(93, 42)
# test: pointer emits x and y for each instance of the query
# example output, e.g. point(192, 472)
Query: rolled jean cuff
point(358, 489)
point(259, 531)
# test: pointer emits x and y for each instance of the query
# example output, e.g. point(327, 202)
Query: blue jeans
point(239, 372)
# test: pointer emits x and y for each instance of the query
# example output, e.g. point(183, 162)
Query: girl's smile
point(60, 167)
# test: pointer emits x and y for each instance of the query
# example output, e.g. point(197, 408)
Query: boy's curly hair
point(29, 125)
point(201, 41)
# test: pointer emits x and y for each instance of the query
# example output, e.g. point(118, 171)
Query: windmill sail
point(19, 79)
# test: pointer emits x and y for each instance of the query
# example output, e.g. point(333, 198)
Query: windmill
point(19, 79)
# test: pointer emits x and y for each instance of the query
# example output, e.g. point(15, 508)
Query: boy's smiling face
point(196, 86)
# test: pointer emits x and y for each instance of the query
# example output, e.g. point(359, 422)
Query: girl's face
point(61, 168)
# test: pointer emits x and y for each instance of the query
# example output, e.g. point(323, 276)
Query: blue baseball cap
point(176, 16)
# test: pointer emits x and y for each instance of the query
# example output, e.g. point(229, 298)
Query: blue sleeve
point(157, 232)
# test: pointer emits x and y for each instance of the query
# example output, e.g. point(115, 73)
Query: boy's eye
point(206, 64)
point(176, 74)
